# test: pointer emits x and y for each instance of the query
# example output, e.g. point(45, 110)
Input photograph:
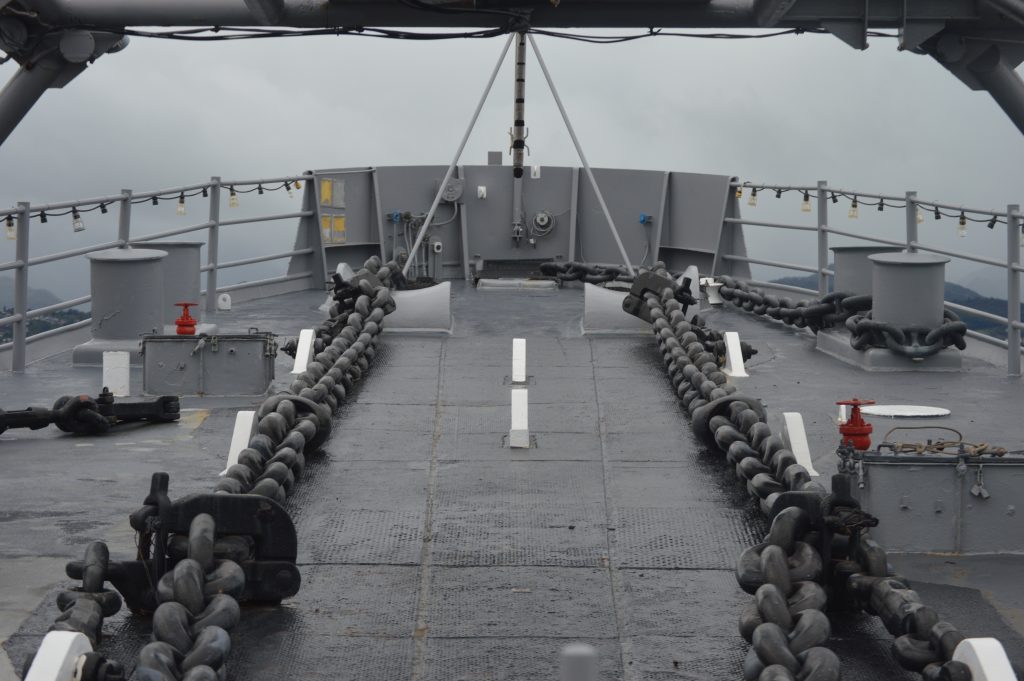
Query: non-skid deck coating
point(430, 551)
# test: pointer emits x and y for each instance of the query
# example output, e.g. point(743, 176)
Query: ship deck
point(430, 550)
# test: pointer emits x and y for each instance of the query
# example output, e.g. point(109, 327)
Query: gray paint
point(908, 288)
point(687, 211)
point(854, 272)
point(225, 364)
point(181, 276)
point(925, 505)
point(127, 292)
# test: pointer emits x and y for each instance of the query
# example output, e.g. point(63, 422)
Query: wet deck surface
point(429, 550)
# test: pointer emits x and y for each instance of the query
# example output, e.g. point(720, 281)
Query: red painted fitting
point(856, 431)
point(186, 322)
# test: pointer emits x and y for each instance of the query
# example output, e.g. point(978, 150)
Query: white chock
point(519, 360)
point(304, 353)
point(519, 432)
point(734, 356)
point(985, 657)
point(578, 663)
point(795, 437)
point(245, 428)
point(58, 656)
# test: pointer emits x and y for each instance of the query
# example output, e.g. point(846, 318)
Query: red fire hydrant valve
point(856, 431)
point(186, 322)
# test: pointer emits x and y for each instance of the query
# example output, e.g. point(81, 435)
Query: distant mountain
point(955, 293)
point(37, 297)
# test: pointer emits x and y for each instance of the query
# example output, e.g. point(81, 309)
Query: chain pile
point(818, 542)
point(198, 606)
point(852, 311)
point(585, 272)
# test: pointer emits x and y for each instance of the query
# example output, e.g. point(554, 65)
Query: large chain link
point(786, 624)
point(586, 272)
point(852, 311)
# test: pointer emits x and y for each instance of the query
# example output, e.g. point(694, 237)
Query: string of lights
point(965, 216)
point(78, 223)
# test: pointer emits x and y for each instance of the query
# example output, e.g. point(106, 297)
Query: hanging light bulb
point(180, 210)
point(920, 216)
point(778, 193)
point(881, 205)
point(805, 205)
point(76, 221)
point(103, 208)
point(961, 228)
point(739, 192)
point(298, 184)
point(42, 216)
point(854, 211)
point(259, 188)
point(156, 200)
point(288, 188)
point(11, 232)
point(232, 198)
point(206, 193)
point(938, 215)
point(835, 199)
point(991, 223)
point(752, 202)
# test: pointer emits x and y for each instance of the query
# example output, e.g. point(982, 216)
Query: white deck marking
point(796, 438)
point(734, 356)
point(519, 433)
point(245, 428)
point(519, 360)
point(578, 663)
point(116, 372)
point(58, 656)
point(304, 353)
point(985, 657)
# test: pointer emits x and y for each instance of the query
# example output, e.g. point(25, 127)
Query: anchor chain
point(586, 272)
point(198, 607)
point(851, 311)
point(818, 542)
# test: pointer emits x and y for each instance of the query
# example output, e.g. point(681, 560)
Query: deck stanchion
point(822, 238)
point(212, 245)
point(519, 360)
point(519, 432)
point(1013, 238)
point(20, 331)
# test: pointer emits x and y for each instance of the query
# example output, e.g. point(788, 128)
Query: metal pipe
point(63, 255)
point(1013, 238)
point(822, 238)
point(877, 240)
point(770, 263)
point(47, 334)
point(170, 191)
point(263, 258)
point(583, 158)
point(962, 256)
point(25, 88)
point(212, 245)
point(43, 311)
point(12, 265)
point(264, 282)
point(20, 331)
point(1001, 81)
point(782, 287)
point(267, 218)
point(956, 307)
point(778, 225)
point(172, 232)
point(458, 155)
point(287, 178)
point(518, 139)
point(985, 338)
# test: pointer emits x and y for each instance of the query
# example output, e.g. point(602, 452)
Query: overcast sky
point(784, 110)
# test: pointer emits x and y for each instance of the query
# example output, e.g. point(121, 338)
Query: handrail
point(953, 254)
point(975, 312)
point(260, 258)
point(854, 235)
point(264, 282)
point(777, 225)
point(266, 218)
point(64, 255)
point(770, 263)
point(56, 307)
point(172, 232)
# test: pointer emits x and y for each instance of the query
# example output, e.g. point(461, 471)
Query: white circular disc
point(904, 411)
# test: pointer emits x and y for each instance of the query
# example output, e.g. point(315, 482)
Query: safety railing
point(825, 196)
point(17, 224)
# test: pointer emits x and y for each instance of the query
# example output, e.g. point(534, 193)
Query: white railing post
point(124, 218)
point(822, 238)
point(1013, 237)
point(212, 245)
point(20, 331)
point(911, 221)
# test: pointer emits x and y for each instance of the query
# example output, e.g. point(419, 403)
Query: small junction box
point(223, 364)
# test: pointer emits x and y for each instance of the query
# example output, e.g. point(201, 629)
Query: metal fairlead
point(269, 564)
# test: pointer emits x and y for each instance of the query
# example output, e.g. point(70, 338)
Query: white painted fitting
point(58, 656)
point(245, 428)
point(734, 356)
point(116, 372)
point(224, 302)
point(711, 291)
point(795, 437)
point(578, 663)
point(304, 353)
point(519, 360)
point(985, 657)
point(519, 432)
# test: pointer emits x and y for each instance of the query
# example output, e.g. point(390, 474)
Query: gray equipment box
point(224, 364)
point(944, 504)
